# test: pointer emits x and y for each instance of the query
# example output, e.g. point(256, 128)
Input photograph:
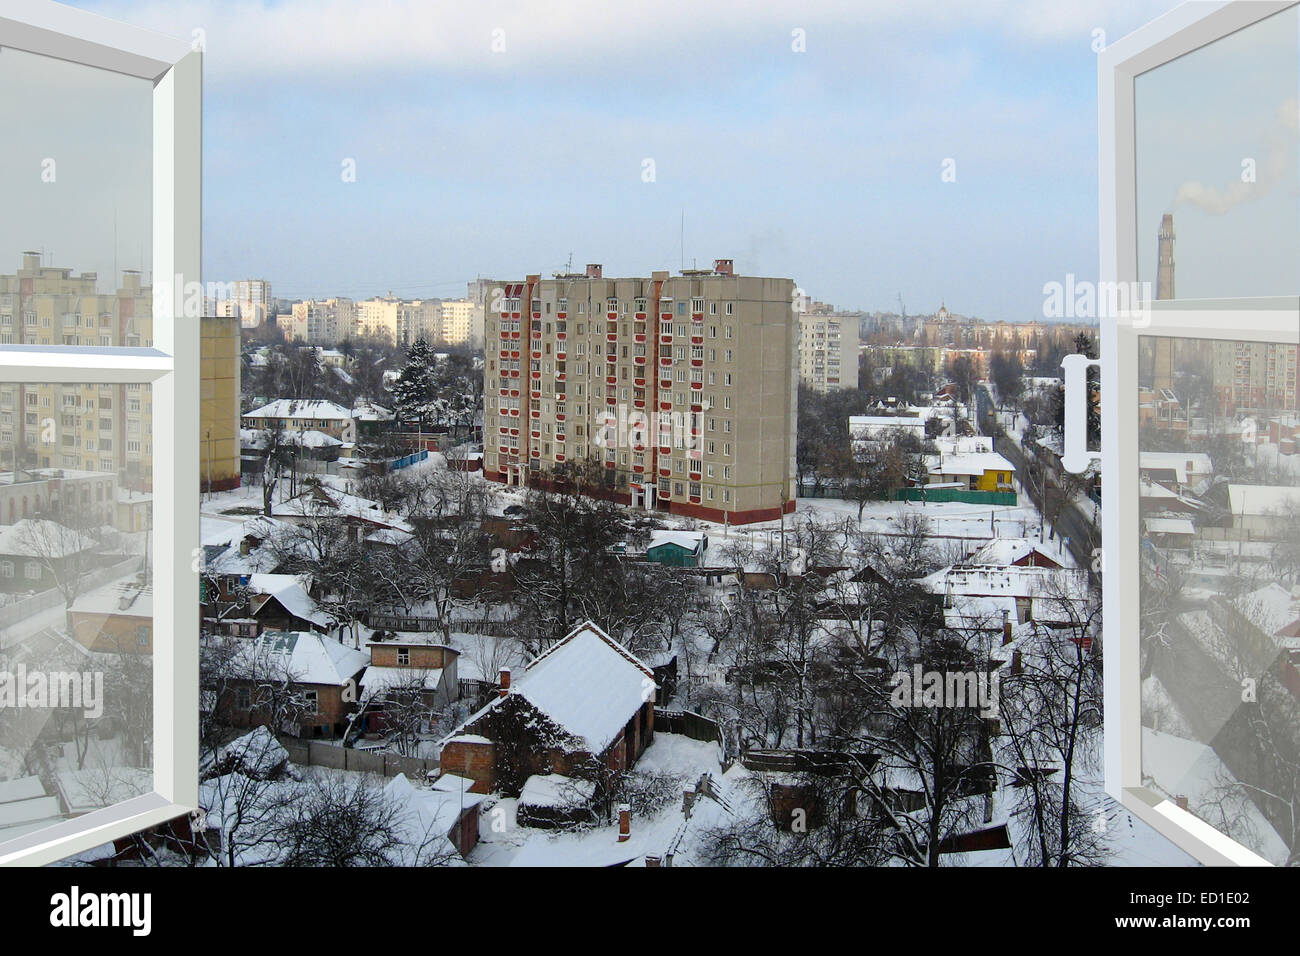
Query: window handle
point(1077, 457)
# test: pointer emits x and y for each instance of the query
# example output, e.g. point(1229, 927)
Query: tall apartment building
point(683, 387)
point(461, 322)
point(828, 352)
point(396, 321)
point(1255, 376)
point(99, 428)
point(248, 300)
point(320, 321)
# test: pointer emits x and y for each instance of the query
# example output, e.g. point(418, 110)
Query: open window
point(99, 418)
point(1200, 238)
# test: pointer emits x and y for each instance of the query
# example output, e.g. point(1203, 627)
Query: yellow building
point(219, 424)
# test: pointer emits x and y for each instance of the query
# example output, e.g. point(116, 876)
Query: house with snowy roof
point(678, 549)
point(321, 674)
point(302, 415)
point(584, 707)
point(282, 602)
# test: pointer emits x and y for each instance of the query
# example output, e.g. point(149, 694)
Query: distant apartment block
point(100, 428)
point(461, 322)
point(248, 300)
point(396, 321)
point(1255, 376)
point(319, 321)
point(828, 353)
point(683, 388)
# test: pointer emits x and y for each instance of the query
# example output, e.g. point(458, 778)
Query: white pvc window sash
point(1182, 31)
point(171, 368)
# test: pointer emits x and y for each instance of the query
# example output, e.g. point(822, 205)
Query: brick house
point(406, 664)
point(583, 708)
point(322, 674)
point(117, 617)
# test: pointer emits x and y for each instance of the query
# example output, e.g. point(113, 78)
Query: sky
point(802, 140)
point(1218, 147)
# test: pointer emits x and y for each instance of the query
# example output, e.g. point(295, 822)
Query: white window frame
point(171, 367)
point(1275, 319)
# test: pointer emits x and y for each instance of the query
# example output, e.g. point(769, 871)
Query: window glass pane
point(1217, 167)
point(1219, 493)
point(76, 602)
point(76, 183)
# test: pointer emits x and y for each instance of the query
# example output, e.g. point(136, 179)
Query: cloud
point(1277, 163)
point(346, 39)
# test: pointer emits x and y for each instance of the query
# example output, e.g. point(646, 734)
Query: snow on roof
point(976, 463)
point(42, 538)
point(95, 787)
point(1271, 608)
point(23, 788)
point(1261, 499)
point(1182, 464)
point(370, 412)
point(309, 658)
point(377, 681)
point(1181, 767)
point(687, 540)
point(588, 684)
point(1000, 552)
point(20, 812)
point(261, 583)
point(1170, 526)
point(298, 603)
point(556, 791)
point(125, 598)
point(310, 408)
point(426, 816)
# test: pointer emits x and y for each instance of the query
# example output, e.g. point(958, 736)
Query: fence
point(406, 462)
point(688, 724)
point(315, 753)
point(936, 495)
point(11, 614)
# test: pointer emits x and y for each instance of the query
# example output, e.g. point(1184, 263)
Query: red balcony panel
point(537, 434)
point(695, 499)
point(611, 379)
point(665, 472)
point(697, 407)
point(562, 315)
point(665, 315)
point(559, 457)
point(665, 406)
point(697, 340)
point(559, 416)
point(639, 337)
point(639, 402)
point(537, 315)
point(639, 469)
point(640, 316)
point(514, 315)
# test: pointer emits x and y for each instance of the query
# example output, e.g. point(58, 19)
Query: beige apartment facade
point(319, 321)
point(828, 352)
point(683, 388)
point(104, 428)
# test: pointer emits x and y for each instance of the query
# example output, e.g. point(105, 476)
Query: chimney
point(244, 546)
point(624, 823)
point(593, 270)
point(1006, 627)
point(1181, 800)
point(505, 681)
point(652, 861)
point(688, 800)
point(724, 267)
